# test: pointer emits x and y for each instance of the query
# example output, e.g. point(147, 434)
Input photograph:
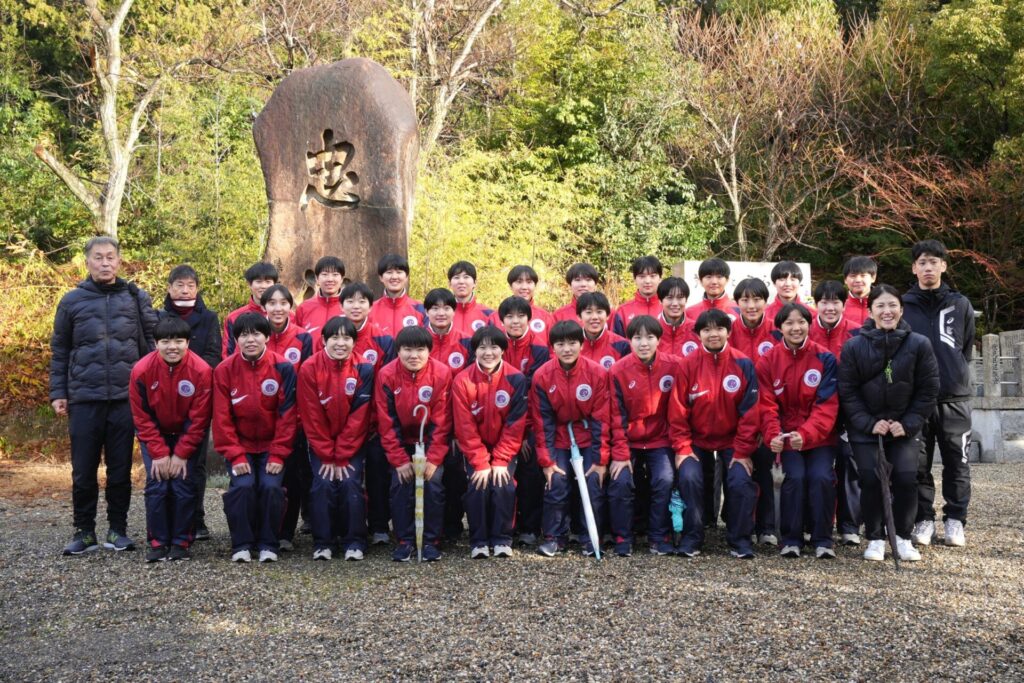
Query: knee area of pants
point(904, 478)
point(245, 481)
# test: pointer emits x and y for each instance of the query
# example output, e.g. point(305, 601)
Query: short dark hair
point(101, 239)
point(713, 317)
point(582, 270)
point(392, 262)
point(331, 264)
point(183, 272)
point(931, 248)
point(439, 296)
point(338, 325)
point(860, 264)
point(830, 289)
point(488, 333)
point(786, 310)
point(784, 268)
point(172, 327)
point(350, 291)
point(518, 272)
point(565, 330)
point(643, 323)
point(671, 284)
point(274, 289)
point(713, 266)
point(261, 271)
point(880, 289)
point(593, 300)
point(462, 267)
point(751, 286)
point(413, 337)
point(250, 322)
point(646, 264)
point(514, 304)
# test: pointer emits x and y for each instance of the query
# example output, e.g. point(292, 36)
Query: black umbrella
point(884, 471)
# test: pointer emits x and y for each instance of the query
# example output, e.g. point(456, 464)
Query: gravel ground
point(955, 615)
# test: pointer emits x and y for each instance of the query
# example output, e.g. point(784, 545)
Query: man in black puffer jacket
point(946, 317)
point(101, 329)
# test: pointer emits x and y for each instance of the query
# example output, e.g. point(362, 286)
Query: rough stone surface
point(956, 615)
point(338, 147)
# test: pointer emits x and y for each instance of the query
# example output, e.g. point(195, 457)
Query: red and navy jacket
point(678, 340)
point(527, 353)
point(489, 412)
point(641, 393)
point(606, 349)
point(335, 401)
point(470, 317)
point(254, 407)
point(772, 309)
point(229, 339)
point(293, 342)
point(722, 303)
point(373, 346)
point(312, 314)
point(798, 393)
point(397, 393)
point(714, 403)
point(541, 321)
point(392, 314)
point(568, 312)
point(640, 305)
point(171, 402)
point(580, 396)
point(856, 310)
point(832, 340)
point(753, 342)
point(451, 348)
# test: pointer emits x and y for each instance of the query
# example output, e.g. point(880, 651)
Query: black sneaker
point(82, 542)
point(306, 529)
point(202, 533)
point(157, 553)
point(179, 552)
point(118, 541)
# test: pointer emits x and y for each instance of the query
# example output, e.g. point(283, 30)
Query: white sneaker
point(768, 539)
point(955, 533)
point(353, 555)
point(825, 553)
point(242, 556)
point(268, 556)
point(380, 538)
point(480, 552)
point(790, 551)
point(906, 549)
point(850, 539)
point(528, 539)
point(286, 545)
point(503, 551)
point(875, 551)
point(923, 532)
point(322, 554)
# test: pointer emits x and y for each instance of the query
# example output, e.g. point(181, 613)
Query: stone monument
point(338, 147)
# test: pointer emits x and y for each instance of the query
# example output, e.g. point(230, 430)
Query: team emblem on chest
point(409, 321)
point(186, 388)
point(812, 378)
point(456, 359)
point(501, 398)
point(584, 392)
point(425, 393)
point(537, 325)
point(689, 347)
point(350, 386)
point(293, 355)
point(269, 387)
point(665, 384)
point(731, 383)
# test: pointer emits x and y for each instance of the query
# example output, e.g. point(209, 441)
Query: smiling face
point(644, 345)
point(830, 311)
point(462, 285)
point(412, 358)
point(787, 287)
point(929, 270)
point(172, 350)
point(859, 284)
point(395, 280)
point(516, 324)
point(251, 344)
point(103, 262)
point(339, 347)
point(440, 317)
point(329, 282)
point(594, 320)
point(582, 285)
point(524, 287)
point(356, 308)
point(647, 283)
point(714, 285)
point(886, 311)
point(794, 330)
point(488, 355)
point(714, 338)
point(278, 309)
point(674, 305)
point(258, 286)
point(567, 351)
point(751, 309)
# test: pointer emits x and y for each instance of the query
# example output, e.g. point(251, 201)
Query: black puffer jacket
point(205, 339)
point(867, 393)
point(96, 342)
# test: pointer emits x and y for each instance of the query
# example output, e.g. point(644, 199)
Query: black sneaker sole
point(111, 546)
point(90, 549)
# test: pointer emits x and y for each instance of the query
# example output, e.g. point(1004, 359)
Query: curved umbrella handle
point(423, 422)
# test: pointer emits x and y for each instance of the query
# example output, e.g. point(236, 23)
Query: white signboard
point(739, 271)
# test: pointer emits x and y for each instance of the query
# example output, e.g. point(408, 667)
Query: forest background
point(551, 131)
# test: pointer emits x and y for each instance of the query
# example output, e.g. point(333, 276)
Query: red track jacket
point(293, 342)
point(579, 396)
point(335, 404)
point(856, 310)
point(639, 305)
point(798, 393)
point(397, 393)
point(606, 349)
point(394, 314)
point(313, 313)
point(772, 309)
point(722, 303)
point(470, 317)
point(254, 407)
point(640, 397)
point(489, 412)
point(679, 340)
point(171, 401)
point(753, 343)
point(527, 353)
point(541, 321)
point(833, 340)
point(451, 348)
point(227, 339)
point(373, 346)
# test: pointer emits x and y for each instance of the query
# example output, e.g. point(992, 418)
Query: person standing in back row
point(946, 317)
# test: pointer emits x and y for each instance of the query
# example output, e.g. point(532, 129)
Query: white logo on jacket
point(812, 378)
point(186, 388)
point(946, 333)
point(731, 383)
point(665, 383)
point(425, 393)
point(607, 362)
point(477, 324)
point(409, 321)
point(269, 387)
point(689, 347)
point(537, 325)
point(370, 356)
point(456, 359)
point(501, 398)
point(293, 355)
point(350, 386)
point(764, 347)
point(584, 392)
point(154, 385)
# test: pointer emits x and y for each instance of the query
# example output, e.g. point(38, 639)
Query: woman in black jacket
point(888, 386)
